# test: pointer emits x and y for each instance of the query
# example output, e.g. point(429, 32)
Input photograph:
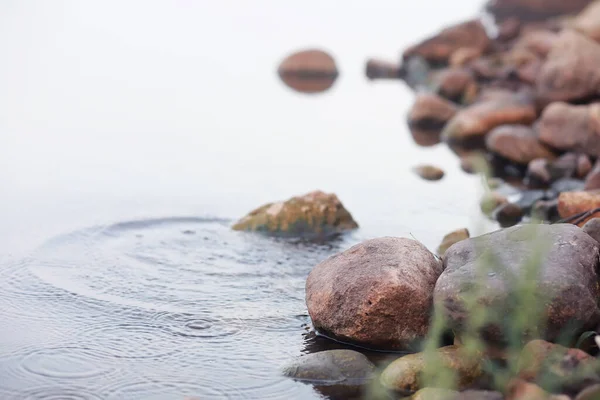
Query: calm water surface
point(133, 133)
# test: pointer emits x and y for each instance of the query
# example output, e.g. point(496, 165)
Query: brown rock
point(406, 373)
point(509, 29)
point(438, 49)
point(534, 9)
point(429, 172)
point(517, 143)
point(570, 72)
point(592, 228)
point(377, 294)
point(556, 368)
point(464, 56)
point(571, 203)
point(452, 238)
point(315, 214)
point(431, 112)
point(380, 69)
point(309, 71)
point(566, 290)
point(509, 215)
point(456, 84)
point(519, 389)
point(538, 42)
point(568, 127)
point(480, 118)
point(592, 181)
point(588, 21)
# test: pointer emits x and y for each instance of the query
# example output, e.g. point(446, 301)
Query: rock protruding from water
point(331, 367)
point(561, 259)
point(315, 214)
point(309, 71)
point(377, 294)
point(429, 172)
point(406, 373)
point(451, 239)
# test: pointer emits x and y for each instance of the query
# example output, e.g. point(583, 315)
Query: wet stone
point(509, 215)
point(331, 367)
point(429, 172)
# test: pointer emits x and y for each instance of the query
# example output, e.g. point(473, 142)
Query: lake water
point(133, 133)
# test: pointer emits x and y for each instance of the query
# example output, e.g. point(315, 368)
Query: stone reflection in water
point(309, 71)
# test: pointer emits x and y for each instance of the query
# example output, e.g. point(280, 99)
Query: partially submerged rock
point(380, 69)
point(377, 294)
point(518, 143)
point(438, 48)
point(313, 214)
point(572, 128)
point(406, 373)
point(480, 118)
point(308, 71)
point(431, 112)
point(572, 203)
point(487, 267)
point(429, 172)
point(570, 72)
point(451, 239)
point(331, 367)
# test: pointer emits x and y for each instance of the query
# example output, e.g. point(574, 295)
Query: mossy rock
point(314, 214)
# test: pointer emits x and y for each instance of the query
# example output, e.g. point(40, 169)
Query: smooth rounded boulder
point(562, 257)
point(377, 294)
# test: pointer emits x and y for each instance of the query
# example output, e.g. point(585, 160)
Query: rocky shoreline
point(513, 314)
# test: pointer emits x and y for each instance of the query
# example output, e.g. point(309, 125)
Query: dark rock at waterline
point(556, 368)
point(380, 69)
point(529, 197)
point(481, 117)
point(431, 112)
point(542, 171)
point(567, 283)
point(439, 48)
point(309, 71)
point(429, 172)
point(509, 215)
point(377, 294)
point(518, 143)
point(592, 228)
point(406, 373)
point(581, 122)
point(570, 72)
point(331, 367)
point(573, 203)
point(451, 239)
point(316, 214)
point(534, 9)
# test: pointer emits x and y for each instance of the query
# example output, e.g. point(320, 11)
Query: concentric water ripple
point(156, 309)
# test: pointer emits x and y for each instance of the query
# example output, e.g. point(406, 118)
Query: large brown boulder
point(315, 214)
point(376, 294)
point(569, 127)
point(518, 143)
point(486, 269)
point(572, 203)
point(571, 71)
point(438, 48)
point(476, 120)
point(534, 9)
point(588, 21)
